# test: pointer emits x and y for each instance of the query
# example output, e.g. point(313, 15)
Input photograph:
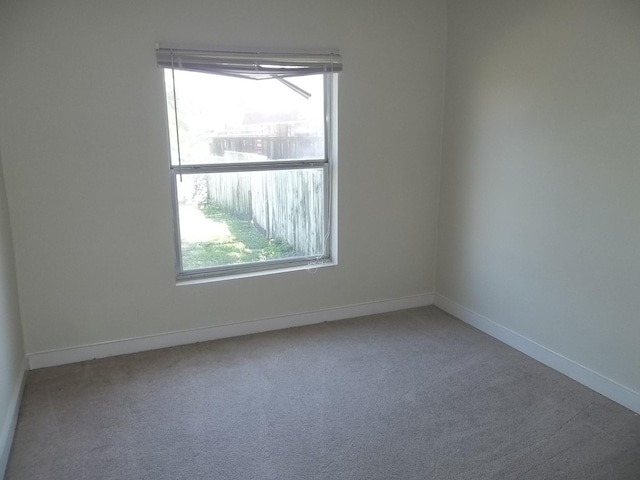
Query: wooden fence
point(276, 140)
point(285, 204)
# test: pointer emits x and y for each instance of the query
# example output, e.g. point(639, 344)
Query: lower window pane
point(239, 218)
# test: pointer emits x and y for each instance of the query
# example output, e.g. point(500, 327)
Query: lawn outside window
point(252, 147)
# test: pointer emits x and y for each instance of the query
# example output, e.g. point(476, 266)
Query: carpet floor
point(414, 394)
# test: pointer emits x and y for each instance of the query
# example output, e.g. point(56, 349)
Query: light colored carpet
point(414, 394)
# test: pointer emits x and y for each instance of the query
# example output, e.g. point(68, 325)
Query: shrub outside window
point(251, 142)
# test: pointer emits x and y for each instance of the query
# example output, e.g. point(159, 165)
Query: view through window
point(250, 170)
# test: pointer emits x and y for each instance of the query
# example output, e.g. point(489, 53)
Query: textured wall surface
point(11, 342)
point(539, 223)
point(82, 125)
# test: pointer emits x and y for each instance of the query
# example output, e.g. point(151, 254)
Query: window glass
point(250, 171)
point(234, 218)
point(223, 119)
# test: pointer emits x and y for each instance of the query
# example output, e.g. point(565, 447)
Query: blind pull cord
point(175, 113)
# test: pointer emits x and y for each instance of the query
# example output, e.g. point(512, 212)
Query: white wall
point(12, 364)
point(539, 225)
point(83, 134)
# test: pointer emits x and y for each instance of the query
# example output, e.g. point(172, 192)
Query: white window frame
point(327, 64)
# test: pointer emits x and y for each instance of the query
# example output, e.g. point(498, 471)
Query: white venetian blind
point(252, 65)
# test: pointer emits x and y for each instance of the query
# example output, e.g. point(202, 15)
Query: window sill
point(298, 268)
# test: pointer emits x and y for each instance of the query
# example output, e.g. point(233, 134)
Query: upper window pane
point(224, 119)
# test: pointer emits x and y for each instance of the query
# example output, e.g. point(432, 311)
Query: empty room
point(269, 239)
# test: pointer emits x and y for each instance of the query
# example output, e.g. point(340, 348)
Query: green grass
point(246, 245)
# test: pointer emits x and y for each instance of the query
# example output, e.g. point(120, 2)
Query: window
point(252, 143)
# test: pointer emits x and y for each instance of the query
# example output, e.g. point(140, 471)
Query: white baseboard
point(151, 342)
point(9, 426)
point(595, 381)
